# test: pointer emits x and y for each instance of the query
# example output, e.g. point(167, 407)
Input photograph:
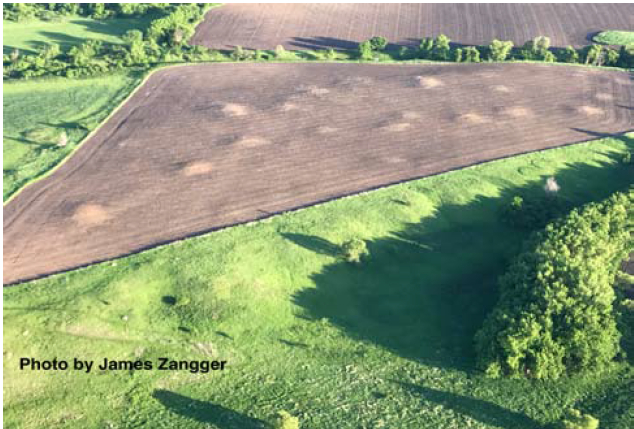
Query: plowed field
point(202, 147)
point(318, 26)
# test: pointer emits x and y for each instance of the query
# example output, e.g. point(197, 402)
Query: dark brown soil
point(202, 147)
point(319, 26)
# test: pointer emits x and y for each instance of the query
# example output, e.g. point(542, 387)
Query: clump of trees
point(555, 314)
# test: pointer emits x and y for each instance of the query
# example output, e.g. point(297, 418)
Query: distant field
point(319, 26)
point(207, 146)
point(36, 113)
point(67, 31)
point(384, 344)
point(615, 37)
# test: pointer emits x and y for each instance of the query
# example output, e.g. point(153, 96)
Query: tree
point(472, 54)
point(238, 54)
point(354, 250)
point(594, 55)
point(500, 50)
point(457, 55)
point(378, 43)
point(284, 420)
point(425, 48)
point(626, 56)
point(441, 49)
point(555, 315)
point(15, 54)
point(331, 54)
point(570, 55)
point(365, 50)
point(611, 57)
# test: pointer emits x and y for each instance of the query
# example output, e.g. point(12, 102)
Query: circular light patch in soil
point(472, 118)
point(590, 110)
point(91, 215)
point(518, 112)
point(428, 82)
point(234, 109)
point(396, 127)
point(252, 141)
point(501, 88)
point(604, 96)
point(197, 168)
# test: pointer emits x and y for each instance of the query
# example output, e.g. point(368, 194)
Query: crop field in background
point(343, 26)
point(37, 113)
point(71, 31)
point(387, 343)
point(202, 147)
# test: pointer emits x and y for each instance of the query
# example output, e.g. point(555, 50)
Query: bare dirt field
point(319, 26)
point(202, 147)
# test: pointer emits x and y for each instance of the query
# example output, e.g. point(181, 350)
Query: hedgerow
point(555, 312)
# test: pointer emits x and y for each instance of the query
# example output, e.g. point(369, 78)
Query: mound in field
point(332, 146)
point(343, 26)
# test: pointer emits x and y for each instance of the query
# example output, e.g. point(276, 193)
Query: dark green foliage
point(555, 315)
point(425, 48)
point(533, 212)
point(569, 55)
point(626, 57)
point(575, 419)
point(471, 55)
point(354, 250)
point(378, 43)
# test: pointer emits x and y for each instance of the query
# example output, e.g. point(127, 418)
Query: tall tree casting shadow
point(425, 290)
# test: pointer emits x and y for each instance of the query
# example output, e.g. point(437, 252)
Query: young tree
point(611, 57)
point(15, 54)
point(365, 50)
point(575, 419)
point(500, 50)
point(238, 54)
point(378, 43)
point(457, 55)
point(594, 55)
point(441, 49)
point(426, 47)
point(354, 250)
point(472, 54)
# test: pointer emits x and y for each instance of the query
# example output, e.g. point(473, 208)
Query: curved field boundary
point(343, 26)
point(204, 147)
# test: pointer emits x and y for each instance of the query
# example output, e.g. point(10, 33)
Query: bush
point(284, 420)
point(378, 43)
point(554, 315)
point(533, 212)
point(354, 250)
point(574, 419)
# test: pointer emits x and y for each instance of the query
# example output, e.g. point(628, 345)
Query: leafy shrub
point(284, 420)
point(574, 419)
point(554, 315)
point(354, 250)
point(378, 43)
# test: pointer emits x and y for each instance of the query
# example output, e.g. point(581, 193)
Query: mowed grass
point(383, 344)
point(29, 36)
point(36, 113)
point(615, 37)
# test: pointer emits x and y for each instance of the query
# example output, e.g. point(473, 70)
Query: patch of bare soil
point(428, 82)
point(197, 167)
point(236, 167)
point(591, 110)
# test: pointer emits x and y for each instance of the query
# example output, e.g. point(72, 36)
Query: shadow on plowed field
point(425, 290)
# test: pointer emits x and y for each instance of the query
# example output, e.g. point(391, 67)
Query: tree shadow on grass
point(482, 411)
point(316, 244)
point(425, 290)
point(206, 412)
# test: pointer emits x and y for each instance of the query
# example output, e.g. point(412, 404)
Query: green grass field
point(37, 112)
point(30, 35)
point(383, 344)
point(615, 37)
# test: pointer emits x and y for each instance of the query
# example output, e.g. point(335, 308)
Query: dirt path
point(202, 147)
point(319, 26)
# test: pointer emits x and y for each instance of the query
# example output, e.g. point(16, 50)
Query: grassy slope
point(37, 112)
point(615, 37)
point(67, 31)
point(384, 344)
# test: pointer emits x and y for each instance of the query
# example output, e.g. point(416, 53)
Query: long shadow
point(205, 412)
point(323, 43)
point(316, 244)
point(425, 290)
point(483, 411)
